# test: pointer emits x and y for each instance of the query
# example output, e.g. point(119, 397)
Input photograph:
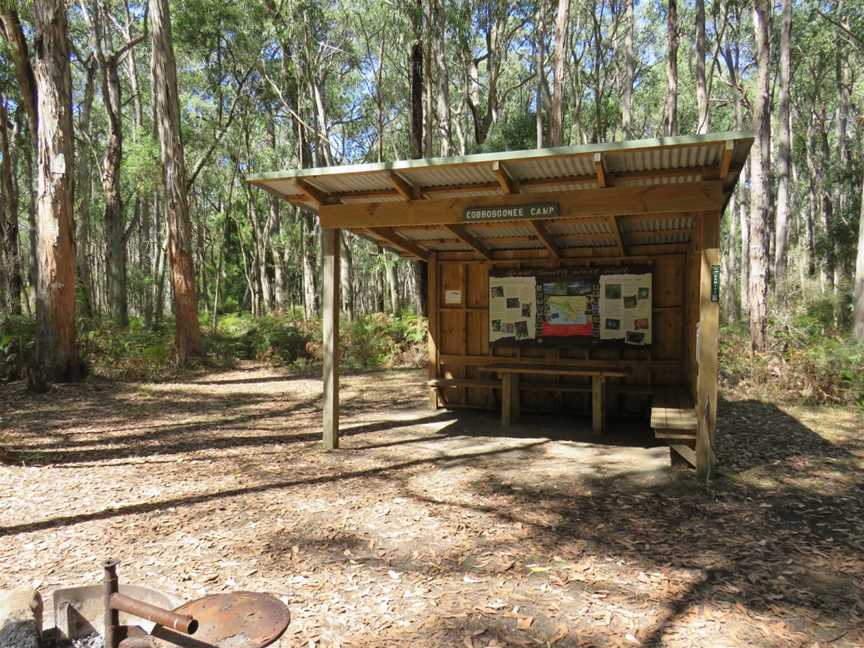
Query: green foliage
point(17, 345)
point(811, 359)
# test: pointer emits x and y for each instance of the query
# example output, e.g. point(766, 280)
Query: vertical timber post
point(709, 324)
point(330, 289)
point(432, 326)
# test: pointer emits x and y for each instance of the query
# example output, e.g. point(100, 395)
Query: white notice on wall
point(452, 296)
point(512, 308)
point(625, 308)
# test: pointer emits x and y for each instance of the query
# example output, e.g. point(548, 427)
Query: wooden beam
point(469, 239)
point(726, 159)
point(505, 180)
point(398, 241)
point(707, 368)
point(616, 230)
point(314, 194)
point(600, 170)
point(546, 238)
point(432, 335)
point(404, 188)
point(585, 203)
point(330, 288)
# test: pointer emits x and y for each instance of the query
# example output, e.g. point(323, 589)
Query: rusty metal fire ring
point(232, 620)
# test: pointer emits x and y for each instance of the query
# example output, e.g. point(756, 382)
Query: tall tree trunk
point(416, 101)
point(559, 58)
point(442, 86)
point(701, 87)
point(629, 72)
point(670, 114)
point(11, 260)
point(858, 303)
point(167, 110)
point(83, 195)
point(392, 284)
point(310, 265)
point(114, 228)
point(56, 347)
point(759, 170)
point(784, 151)
point(347, 277)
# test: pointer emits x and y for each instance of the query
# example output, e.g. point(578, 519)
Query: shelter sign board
point(512, 212)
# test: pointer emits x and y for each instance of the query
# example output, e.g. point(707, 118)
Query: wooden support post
point(432, 335)
point(598, 408)
point(506, 398)
point(709, 320)
point(330, 288)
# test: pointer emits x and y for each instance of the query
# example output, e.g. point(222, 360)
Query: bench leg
point(506, 398)
point(598, 407)
point(516, 403)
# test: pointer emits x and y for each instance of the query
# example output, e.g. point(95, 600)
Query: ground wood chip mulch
point(432, 528)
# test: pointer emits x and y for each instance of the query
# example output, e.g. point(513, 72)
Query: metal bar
point(112, 616)
point(180, 622)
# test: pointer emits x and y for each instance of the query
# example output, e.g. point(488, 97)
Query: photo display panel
point(571, 307)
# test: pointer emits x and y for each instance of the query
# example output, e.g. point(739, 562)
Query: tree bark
point(784, 194)
point(670, 115)
point(392, 283)
point(167, 110)
point(701, 87)
point(629, 72)
point(83, 195)
point(10, 28)
point(858, 303)
point(416, 101)
point(442, 86)
point(11, 260)
point(56, 345)
point(116, 255)
point(759, 170)
point(559, 58)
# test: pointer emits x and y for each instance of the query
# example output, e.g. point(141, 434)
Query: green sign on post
point(715, 283)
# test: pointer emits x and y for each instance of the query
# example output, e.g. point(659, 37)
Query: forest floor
point(436, 529)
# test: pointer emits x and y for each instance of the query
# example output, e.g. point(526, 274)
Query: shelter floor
point(438, 528)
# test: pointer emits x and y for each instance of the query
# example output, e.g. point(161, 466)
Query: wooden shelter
point(581, 214)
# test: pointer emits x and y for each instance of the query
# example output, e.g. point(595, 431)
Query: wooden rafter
point(633, 238)
point(726, 159)
point(581, 203)
point(400, 242)
point(600, 170)
point(536, 185)
point(405, 189)
point(470, 240)
point(616, 230)
point(545, 238)
point(505, 179)
point(313, 193)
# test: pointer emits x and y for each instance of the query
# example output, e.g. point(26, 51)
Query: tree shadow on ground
point(763, 535)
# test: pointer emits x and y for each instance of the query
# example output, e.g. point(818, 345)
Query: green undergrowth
point(810, 359)
point(144, 353)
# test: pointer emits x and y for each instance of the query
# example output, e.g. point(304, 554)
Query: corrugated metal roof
point(541, 172)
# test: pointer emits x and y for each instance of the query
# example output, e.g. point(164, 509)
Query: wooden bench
point(673, 419)
point(510, 407)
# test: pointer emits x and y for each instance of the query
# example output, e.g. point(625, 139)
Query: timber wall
point(462, 339)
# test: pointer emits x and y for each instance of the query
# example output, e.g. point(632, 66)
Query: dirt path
point(430, 529)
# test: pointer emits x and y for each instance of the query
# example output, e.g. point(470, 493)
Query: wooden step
point(672, 409)
point(675, 435)
point(464, 382)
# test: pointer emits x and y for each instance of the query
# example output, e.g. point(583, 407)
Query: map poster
point(512, 308)
point(567, 308)
point(625, 308)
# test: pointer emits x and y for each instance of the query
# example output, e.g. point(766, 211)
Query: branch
point(856, 40)
point(221, 133)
